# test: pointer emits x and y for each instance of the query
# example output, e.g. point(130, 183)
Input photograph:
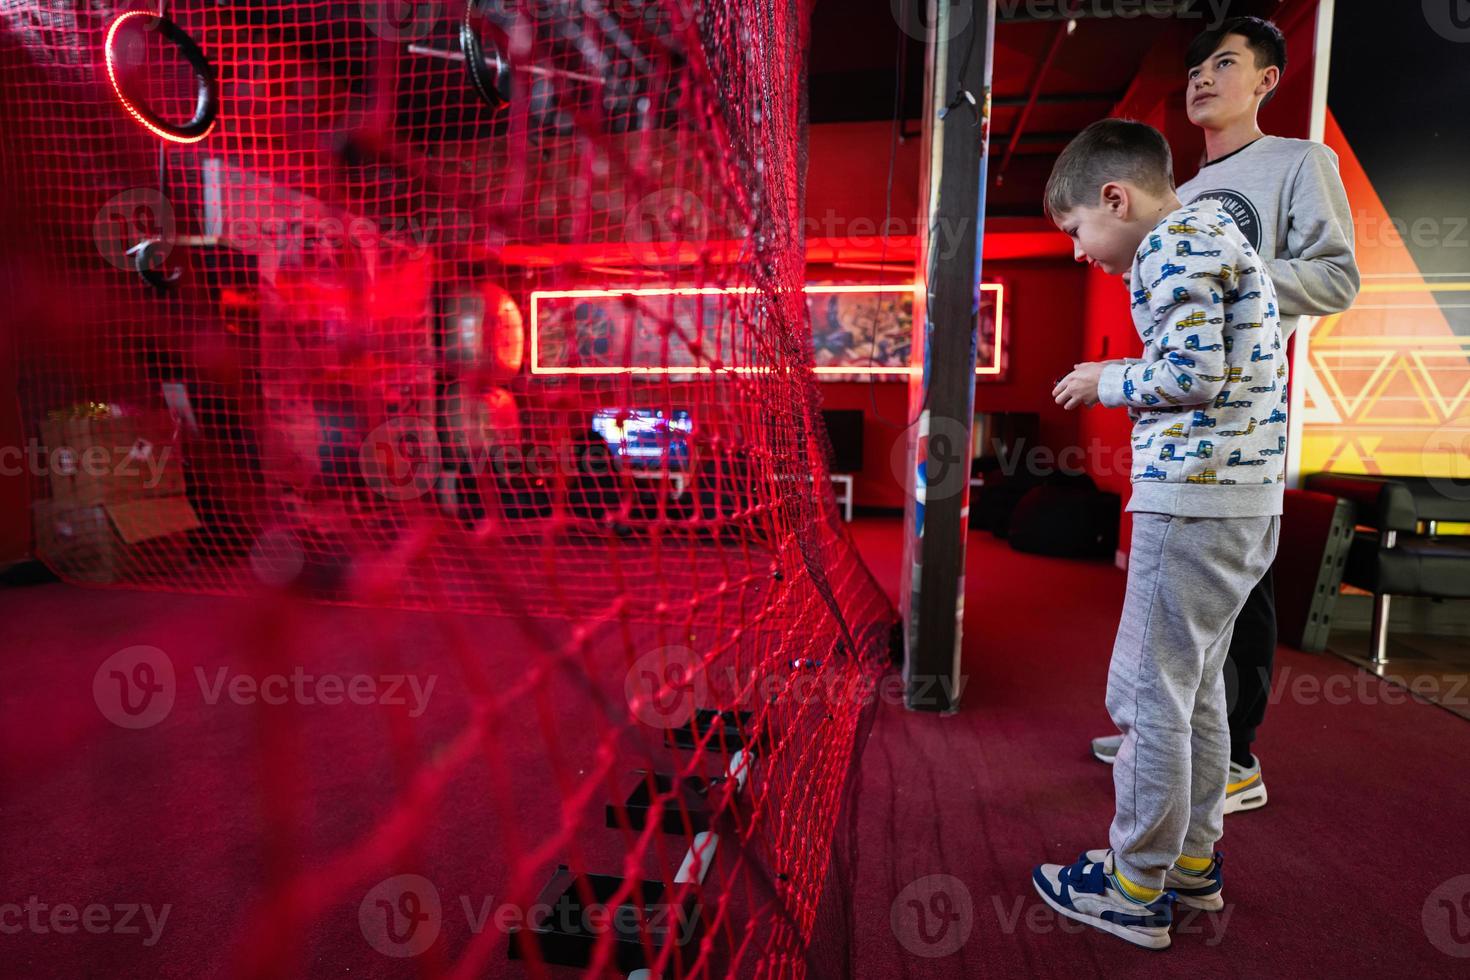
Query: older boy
point(1208, 399)
point(1288, 201)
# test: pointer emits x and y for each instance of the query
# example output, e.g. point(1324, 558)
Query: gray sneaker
point(1105, 749)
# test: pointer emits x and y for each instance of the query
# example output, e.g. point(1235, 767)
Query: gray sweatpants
point(1187, 579)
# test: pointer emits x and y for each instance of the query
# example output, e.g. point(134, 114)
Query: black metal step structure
point(562, 922)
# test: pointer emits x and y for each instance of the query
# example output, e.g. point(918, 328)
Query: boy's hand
point(1079, 387)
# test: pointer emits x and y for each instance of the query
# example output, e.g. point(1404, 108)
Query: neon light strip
point(126, 102)
point(536, 297)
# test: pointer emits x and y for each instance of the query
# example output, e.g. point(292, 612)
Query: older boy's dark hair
point(1108, 150)
point(1264, 39)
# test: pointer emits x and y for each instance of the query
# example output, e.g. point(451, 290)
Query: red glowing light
point(109, 49)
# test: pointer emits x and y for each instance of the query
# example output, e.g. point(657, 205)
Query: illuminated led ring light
point(491, 82)
point(207, 105)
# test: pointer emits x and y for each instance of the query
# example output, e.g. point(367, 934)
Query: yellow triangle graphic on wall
point(1343, 376)
point(1399, 396)
point(1440, 379)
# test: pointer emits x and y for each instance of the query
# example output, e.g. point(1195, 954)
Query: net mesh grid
point(349, 258)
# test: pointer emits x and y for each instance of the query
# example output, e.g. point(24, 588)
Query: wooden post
point(942, 385)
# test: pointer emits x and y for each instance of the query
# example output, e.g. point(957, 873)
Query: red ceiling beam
point(1013, 138)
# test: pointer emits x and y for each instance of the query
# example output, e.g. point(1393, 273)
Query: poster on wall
point(859, 332)
point(866, 332)
point(1385, 386)
point(640, 331)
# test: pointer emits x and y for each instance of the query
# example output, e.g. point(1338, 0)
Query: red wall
point(847, 181)
point(1044, 297)
point(1045, 303)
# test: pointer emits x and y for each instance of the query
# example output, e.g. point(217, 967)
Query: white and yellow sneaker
point(1245, 790)
point(1105, 749)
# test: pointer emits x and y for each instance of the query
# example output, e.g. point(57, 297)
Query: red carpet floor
point(1368, 812)
point(1369, 808)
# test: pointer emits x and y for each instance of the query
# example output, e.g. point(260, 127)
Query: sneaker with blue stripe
point(1195, 889)
point(1088, 892)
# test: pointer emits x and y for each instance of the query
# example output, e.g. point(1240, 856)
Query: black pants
point(1248, 666)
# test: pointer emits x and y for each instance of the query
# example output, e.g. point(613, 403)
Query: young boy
point(1208, 399)
point(1288, 201)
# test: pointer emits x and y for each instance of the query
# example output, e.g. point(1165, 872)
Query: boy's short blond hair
point(1108, 150)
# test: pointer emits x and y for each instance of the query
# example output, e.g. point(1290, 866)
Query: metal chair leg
point(1380, 628)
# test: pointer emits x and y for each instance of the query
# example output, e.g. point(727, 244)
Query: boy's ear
point(1113, 198)
point(1269, 80)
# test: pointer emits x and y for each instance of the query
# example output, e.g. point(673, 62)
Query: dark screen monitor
point(845, 434)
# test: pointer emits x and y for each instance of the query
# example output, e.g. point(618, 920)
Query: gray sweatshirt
point(1208, 397)
point(1288, 201)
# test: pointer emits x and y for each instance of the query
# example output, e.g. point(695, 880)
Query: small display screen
point(646, 436)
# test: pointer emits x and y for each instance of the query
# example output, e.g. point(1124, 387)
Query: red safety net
point(524, 350)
